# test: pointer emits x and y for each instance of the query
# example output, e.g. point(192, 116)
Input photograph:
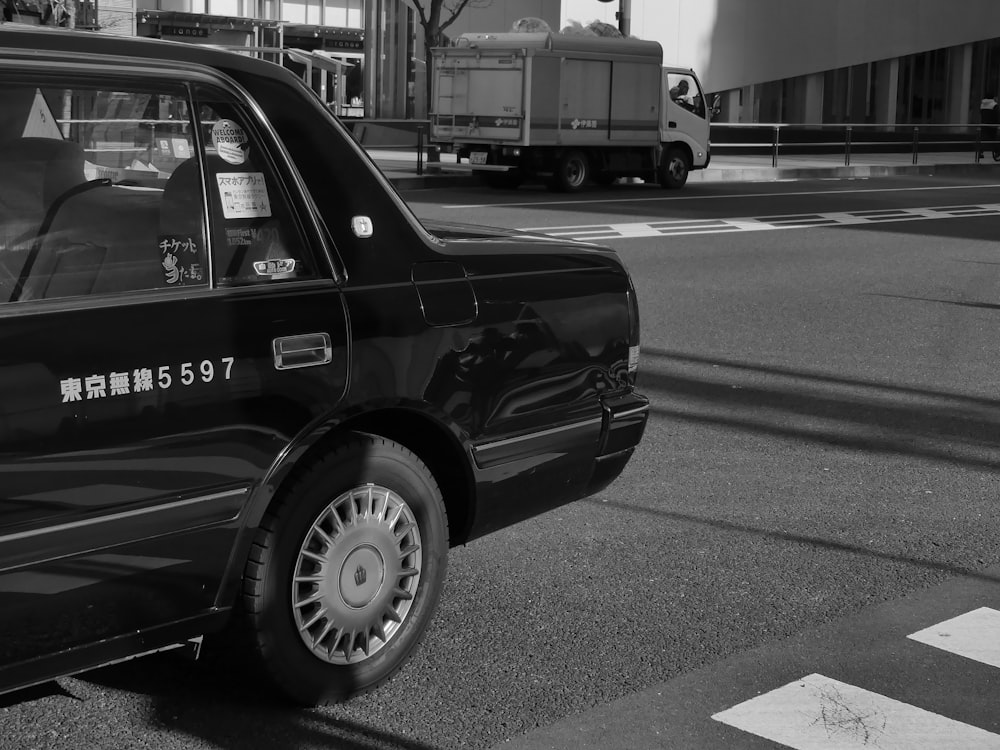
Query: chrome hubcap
point(356, 574)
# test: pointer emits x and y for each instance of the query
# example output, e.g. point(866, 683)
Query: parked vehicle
point(240, 377)
point(565, 108)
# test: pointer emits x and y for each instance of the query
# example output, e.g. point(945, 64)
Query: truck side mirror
point(716, 105)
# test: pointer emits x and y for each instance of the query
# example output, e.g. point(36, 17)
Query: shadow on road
point(811, 541)
point(221, 704)
point(860, 415)
point(45, 690)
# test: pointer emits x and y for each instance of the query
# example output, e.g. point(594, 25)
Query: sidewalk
point(400, 165)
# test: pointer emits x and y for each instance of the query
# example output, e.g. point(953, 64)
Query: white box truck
point(567, 108)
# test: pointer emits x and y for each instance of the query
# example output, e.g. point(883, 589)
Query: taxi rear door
point(166, 331)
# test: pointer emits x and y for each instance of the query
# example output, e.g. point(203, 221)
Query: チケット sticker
point(180, 259)
point(230, 142)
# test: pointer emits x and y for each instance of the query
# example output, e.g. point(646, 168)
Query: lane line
point(700, 198)
point(754, 223)
point(974, 635)
point(820, 713)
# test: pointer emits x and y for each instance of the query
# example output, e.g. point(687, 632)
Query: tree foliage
point(594, 28)
point(435, 17)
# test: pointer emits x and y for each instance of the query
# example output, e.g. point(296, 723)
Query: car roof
point(38, 41)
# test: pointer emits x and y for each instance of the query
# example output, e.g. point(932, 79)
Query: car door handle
point(303, 350)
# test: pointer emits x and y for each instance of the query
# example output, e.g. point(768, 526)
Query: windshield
point(686, 93)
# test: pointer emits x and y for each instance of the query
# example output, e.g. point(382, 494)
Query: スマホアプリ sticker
point(243, 194)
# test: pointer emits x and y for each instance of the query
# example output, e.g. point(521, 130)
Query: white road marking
point(974, 635)
point(819, 713)
point(702, 198)
point(681, 227)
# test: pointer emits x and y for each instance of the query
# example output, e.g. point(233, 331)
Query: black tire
point(674, 168)
point(369, 513)
point(571, 172)
point(996, 155)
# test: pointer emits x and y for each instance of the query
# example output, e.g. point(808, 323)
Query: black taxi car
point(242, 383)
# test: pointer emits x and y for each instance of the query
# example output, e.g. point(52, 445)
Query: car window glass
point(256, 235)
point(84, 171)
point(685, 92)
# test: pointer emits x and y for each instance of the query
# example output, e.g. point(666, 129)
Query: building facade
point(826, 61)
point(792, 61)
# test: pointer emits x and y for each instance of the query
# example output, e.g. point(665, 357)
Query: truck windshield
point(685, 92)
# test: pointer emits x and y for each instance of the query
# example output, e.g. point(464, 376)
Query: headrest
point(36, 171)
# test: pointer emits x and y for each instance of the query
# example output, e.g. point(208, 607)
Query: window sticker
point(41, 123)
point(230, 142)
point(244, 195)
point(274, 266)
point(182, 149)
point(266, 236)
point(100, 386)
point(180, 260)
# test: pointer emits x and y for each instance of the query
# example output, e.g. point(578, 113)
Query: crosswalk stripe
point(974, 635)
point(820, 713)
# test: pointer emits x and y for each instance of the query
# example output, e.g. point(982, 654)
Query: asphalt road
point(821, 462)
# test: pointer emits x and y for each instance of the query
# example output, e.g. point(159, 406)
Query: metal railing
point(848, 140)
point(841, 143)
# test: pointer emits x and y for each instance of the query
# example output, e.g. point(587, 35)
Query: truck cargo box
point(540, 89)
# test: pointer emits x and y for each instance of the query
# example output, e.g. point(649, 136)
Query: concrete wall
point(733, 43)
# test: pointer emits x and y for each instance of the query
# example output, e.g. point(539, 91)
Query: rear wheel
point(674, 168)
point(571, 172)
point(346, 571)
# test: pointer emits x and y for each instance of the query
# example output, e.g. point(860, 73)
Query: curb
point(761, 174)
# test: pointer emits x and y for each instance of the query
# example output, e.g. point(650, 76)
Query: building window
point(922, 90)
point(847, 94)
point(985, 71)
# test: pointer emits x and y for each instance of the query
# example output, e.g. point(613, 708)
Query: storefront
point(253, 34)
point(331, 60)
point(369, 66)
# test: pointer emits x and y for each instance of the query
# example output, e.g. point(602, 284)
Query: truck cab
point(684, 124)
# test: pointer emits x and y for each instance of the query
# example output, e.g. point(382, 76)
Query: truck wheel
point(571, 172)
point(346, 570)
point(674, 168)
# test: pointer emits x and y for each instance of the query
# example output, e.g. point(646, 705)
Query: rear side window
point(256, 237)
point(83, 170)
point(106, 189)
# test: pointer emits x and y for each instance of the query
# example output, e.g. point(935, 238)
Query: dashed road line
point(672, 197)
point(682, 227)
point(820, 713)
point(974, 635)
